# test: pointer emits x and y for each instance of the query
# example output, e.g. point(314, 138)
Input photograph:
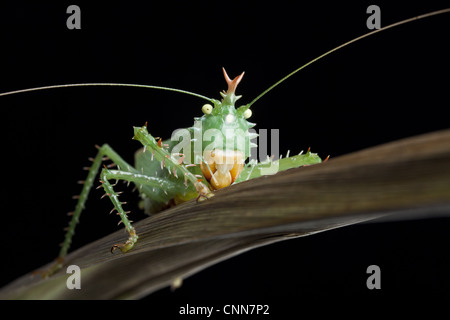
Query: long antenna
point(346, 44)
point(212, 100)
point(107, 85)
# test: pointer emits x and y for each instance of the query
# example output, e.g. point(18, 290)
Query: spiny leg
point(103, 151)
point(167, 160)
point(138, 179)
point(158, 151)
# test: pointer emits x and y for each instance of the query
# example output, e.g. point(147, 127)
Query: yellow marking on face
point(225, 167)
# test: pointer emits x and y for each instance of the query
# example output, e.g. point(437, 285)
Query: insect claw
point(97, 146)
point(113, 209)
point(124, 247)
point(202, 197)
point(326, 159)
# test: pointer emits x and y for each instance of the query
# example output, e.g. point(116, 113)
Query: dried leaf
point(410, 176)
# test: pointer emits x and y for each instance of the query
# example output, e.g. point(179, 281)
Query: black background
point(389, 86)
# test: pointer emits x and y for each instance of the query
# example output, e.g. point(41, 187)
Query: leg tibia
point(104, 150)
point(138, 179)
point(114, 197)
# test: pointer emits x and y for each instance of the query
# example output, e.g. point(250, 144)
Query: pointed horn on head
point(232, 84)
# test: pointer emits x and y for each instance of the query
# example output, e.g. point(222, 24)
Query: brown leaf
point(410, 176)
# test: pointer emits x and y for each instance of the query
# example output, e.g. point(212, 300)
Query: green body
point(223, 127)
point(158, 184)
point(164, 178)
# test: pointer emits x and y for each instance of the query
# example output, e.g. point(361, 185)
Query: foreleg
point(139, 179)
point(103, 151)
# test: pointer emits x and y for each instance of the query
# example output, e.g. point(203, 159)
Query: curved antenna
point(106, 85)
point(346, 44)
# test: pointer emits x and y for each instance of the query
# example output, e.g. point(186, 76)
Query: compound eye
point(207, 109)
point(247, 113)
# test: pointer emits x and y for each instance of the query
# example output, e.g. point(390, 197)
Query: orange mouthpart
point(221, 168)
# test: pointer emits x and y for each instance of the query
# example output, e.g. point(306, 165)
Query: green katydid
point(176, 180)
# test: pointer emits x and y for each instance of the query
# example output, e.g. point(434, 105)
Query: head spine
point(230, 97)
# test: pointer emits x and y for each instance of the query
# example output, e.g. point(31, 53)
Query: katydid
point(162, 173)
